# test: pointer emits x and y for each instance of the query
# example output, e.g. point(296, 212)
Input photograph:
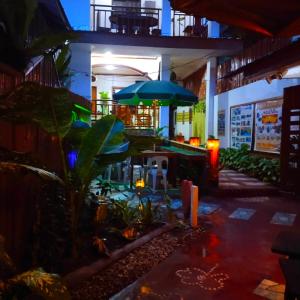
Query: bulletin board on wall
point(268, 121)
point(258, 125)
point(241, 125)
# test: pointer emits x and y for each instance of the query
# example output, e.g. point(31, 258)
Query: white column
point(211, 74)
point(81, 67)
point(166, 18)
point(213, 30)
point(165, 65)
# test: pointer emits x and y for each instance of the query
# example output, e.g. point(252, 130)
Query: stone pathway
point(233, 183)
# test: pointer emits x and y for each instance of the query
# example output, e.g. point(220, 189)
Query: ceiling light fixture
point(110, 67)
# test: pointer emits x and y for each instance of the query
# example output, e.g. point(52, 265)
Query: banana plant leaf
point(136, 144)
point(17, 16)
point(104, 136)
point(15, 50)
point(49, 107)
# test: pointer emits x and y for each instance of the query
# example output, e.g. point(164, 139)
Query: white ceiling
point(183, 62)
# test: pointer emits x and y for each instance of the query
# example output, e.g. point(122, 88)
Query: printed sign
point(221, 123)
point(268, 120)
point(241, 125)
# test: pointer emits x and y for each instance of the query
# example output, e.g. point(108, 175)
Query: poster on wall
point(221, 123)
point(268, 120)
point(241, 124)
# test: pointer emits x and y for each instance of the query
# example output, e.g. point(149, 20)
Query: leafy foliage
point(49, 107)
point(148, 214)
point(33, 282)
point(62, 64)
point(16, 49)
point(241, 160)
point(52, 229)
point(200, 107)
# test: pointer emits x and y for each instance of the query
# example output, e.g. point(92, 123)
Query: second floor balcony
point(143, 21)
point(140, 117)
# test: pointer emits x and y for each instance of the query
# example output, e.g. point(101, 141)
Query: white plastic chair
point(158, 166)
point(127, 170)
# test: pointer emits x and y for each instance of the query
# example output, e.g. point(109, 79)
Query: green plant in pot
point(104, 95)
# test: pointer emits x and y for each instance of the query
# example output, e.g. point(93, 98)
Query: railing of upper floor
point(135, 117)
point(42, 70)
point(143, 21)
point(230, 74)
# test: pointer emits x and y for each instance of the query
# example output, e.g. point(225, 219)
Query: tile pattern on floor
point(242, 213)
point(270, 290)
point(207, 208)
point(283, 219)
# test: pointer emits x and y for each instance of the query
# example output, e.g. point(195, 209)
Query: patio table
point(174, 153)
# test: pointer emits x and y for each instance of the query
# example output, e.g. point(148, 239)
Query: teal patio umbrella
point(164, 93)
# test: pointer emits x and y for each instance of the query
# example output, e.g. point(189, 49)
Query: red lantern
point(195, 141)
point(179, 138)
point(214, 145)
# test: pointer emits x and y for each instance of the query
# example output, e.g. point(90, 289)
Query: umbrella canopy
point(164, 93)
point(268, 17)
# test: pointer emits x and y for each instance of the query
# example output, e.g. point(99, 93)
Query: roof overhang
point(267, 17)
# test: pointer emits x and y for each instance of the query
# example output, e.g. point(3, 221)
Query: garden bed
point(126, 270)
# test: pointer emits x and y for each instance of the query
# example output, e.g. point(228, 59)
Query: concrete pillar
point(78, 13)
point(81, 67)
point(166, 18)
point(213, 30)
point(211, 75)
point(164, 111)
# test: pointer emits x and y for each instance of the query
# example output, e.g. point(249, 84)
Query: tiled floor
point(231, 260)
point(270, 290)
point(283, 219)
point(242, 213)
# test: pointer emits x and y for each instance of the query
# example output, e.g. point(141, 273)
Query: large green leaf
point(137, 144)
point(50, 107)
point(17, 16)
point(20, 168)
point(103, 133)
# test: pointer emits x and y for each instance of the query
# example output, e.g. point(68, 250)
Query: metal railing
point(230, 74)
point(140, 116)
point(126, 20)
point(187, 25)
point(143, 21)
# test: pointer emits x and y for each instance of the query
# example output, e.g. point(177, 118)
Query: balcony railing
point(145, 21)
point(230, 74)
point(136, 117)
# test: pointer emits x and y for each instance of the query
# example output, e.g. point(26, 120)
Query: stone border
point(74, 278)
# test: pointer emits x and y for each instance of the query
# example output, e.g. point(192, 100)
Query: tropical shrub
point(35, 282)
point(266, 169)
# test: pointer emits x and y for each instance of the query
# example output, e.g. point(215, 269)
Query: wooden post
point(194, 206)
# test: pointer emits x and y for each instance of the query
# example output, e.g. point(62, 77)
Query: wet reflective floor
point(227, 257)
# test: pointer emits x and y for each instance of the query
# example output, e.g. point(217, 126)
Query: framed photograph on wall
point(241, 124)
point(268, 121)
